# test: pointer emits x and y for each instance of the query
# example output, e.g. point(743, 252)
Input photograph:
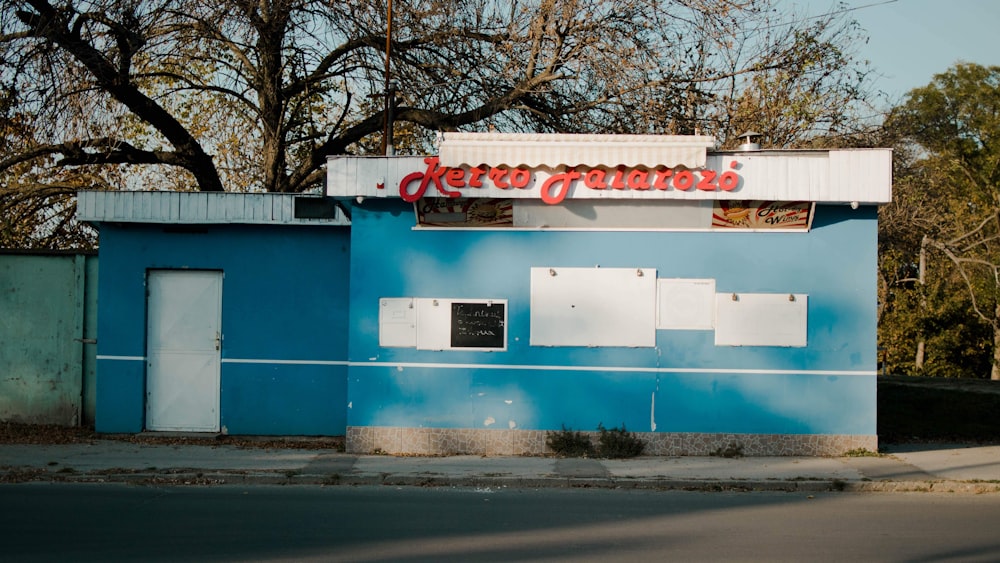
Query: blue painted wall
point(684, 384)
point(284, 322)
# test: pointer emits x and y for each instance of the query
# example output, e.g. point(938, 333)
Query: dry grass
point(16, 433)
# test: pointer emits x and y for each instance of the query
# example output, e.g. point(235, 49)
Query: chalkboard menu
point(478, 325)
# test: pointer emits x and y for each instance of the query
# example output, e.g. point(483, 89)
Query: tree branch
point(50, 24)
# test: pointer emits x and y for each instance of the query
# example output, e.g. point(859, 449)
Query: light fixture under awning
point(533, 150)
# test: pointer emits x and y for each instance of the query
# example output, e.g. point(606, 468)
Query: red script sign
point(554, 189)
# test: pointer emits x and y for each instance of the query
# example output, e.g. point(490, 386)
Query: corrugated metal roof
point(861, 175)
point(369, 176)
point(533, 150)
point(200, 208)
point(826, 176)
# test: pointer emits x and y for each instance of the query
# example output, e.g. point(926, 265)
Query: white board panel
point(761, 319)
point(433, 324)
point(685, 304)
point(593, 307)
point(397, 322)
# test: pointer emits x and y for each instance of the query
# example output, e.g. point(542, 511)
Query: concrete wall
point(48, 305)
point(284, 323)
point(684, 384)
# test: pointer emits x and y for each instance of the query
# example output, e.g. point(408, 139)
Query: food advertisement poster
point(465, 212)
point(746, 214)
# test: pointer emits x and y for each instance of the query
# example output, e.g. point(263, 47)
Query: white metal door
point(183, 358)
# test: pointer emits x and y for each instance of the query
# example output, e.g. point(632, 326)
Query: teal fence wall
point(48, 309)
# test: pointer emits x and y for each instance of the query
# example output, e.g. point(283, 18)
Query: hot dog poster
point(746, 214)
point(465, 212)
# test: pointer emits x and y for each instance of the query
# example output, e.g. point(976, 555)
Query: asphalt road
point(88, 522)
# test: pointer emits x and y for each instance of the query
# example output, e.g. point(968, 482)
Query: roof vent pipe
point(750, 144)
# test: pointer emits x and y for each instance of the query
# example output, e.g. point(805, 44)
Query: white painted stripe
point(518, 367)
point(614, 368)
point(123, 358)
point(286, 362)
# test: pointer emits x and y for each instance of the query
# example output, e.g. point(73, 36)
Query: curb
point(212, 478)
point(940, 486)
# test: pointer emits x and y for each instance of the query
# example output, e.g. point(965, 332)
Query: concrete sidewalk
point(915, 467)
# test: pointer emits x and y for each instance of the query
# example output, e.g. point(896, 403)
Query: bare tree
point(254, 95)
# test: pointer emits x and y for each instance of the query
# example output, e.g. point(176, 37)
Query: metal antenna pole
point(387, 148)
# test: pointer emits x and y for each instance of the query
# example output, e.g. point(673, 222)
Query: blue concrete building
point(515, 285)
point(509, 286)
point(220, 312)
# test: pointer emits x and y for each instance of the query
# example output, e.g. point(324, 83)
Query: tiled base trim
point(453, 441)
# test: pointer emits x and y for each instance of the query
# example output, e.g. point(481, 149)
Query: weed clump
point(569, 443)
point(861, 452)
point(734, 449)
point(618, 443)
point(614, 443)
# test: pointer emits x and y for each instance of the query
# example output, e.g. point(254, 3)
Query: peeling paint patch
point(652, 414)
point(509, 402)
point(489, 420)
point(511, 424)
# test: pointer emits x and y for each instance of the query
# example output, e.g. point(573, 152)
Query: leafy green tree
point(948, 213)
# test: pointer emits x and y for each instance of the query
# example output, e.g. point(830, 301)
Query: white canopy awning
point(554, 150)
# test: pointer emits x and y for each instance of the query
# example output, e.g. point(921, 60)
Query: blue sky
point(912, 40)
